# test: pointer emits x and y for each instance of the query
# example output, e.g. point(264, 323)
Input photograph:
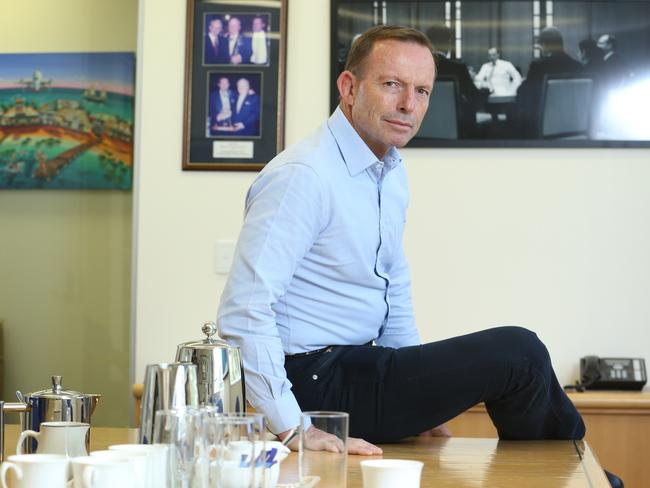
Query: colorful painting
point(66, 120)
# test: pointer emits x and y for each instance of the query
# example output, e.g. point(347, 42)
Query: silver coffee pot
point(220, 372)
point(166, 386)
point(51, 404)
point(206, 372)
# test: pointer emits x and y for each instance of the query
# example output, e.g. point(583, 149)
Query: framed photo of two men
point(234, 83)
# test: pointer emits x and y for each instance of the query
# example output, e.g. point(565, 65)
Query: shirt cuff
point(281, 414)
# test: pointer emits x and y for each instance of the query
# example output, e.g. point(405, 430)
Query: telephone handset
point(612, 373)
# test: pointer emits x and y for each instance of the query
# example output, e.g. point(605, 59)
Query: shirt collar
point(357, 155)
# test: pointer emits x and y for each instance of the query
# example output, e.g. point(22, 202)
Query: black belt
point(308, 353)
point(316, 351)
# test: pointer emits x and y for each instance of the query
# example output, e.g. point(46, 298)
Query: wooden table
point(618, 430)
point(455, 462)
point(461, 462)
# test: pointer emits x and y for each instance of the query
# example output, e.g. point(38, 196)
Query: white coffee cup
point(67, 438)
point(97, 472)
point(233, 475)
point(138, 460)
point(388, 473)
point(35, 471)
point(236, 449)
point(272, 473)
point(157, 460)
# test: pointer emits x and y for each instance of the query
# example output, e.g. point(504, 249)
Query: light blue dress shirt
point(319, 262)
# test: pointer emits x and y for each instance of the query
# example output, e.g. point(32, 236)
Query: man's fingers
point(334, 445)
point(439, 431)
point(317, 440)
point(362, 448)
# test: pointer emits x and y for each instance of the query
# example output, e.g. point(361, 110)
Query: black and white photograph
point(236, 38)
point(234, 104)
point(522, 73)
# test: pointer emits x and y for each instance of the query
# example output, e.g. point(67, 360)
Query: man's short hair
point(363, 45)
point(552, 39)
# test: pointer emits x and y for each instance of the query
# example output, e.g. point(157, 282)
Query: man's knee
point(524, 345)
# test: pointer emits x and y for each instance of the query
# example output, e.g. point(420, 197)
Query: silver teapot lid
point(211, 340)
point(56, 392)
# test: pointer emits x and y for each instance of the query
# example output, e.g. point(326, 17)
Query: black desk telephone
point(612, 373)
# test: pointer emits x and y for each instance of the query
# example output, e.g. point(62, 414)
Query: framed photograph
point(521, 73)
point(66, 120)
point(234, 84)
point(233, 104)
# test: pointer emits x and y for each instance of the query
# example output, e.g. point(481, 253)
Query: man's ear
point(347, 84)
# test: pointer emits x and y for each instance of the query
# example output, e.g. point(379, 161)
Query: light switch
point(223, 253)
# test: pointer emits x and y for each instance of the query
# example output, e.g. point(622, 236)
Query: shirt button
point(315, 377)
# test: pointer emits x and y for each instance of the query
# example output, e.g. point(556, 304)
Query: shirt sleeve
point(481, 77)
point(284, 211)
point(514, 74)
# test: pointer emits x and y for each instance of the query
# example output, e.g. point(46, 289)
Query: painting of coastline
point(66, 120)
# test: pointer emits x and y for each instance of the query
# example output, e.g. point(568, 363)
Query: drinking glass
point(327, 469)
point(238, 451)
point(179, 429)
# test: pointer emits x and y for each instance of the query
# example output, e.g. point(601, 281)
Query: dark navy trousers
point(395, 393)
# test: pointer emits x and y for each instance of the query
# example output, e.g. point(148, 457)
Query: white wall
point(556, 239)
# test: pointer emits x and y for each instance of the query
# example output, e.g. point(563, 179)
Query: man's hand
point(317, 440)
point(223, 115)
point(440, 431)
point(363, 448)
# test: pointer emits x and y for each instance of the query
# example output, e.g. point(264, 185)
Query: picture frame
point(234, 95)
point(67, 120)
point(572, 103)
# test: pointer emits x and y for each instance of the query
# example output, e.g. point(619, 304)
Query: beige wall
point(553, 239)
point(65, 255)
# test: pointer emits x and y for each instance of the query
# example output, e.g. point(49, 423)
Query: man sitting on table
point(318, 297)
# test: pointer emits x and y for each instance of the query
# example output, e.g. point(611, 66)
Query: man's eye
point(390, 84)
point(423, 91)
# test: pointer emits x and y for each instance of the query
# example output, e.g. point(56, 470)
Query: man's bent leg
point(394, 393)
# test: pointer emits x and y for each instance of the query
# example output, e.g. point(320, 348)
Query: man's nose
point(407, 101)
